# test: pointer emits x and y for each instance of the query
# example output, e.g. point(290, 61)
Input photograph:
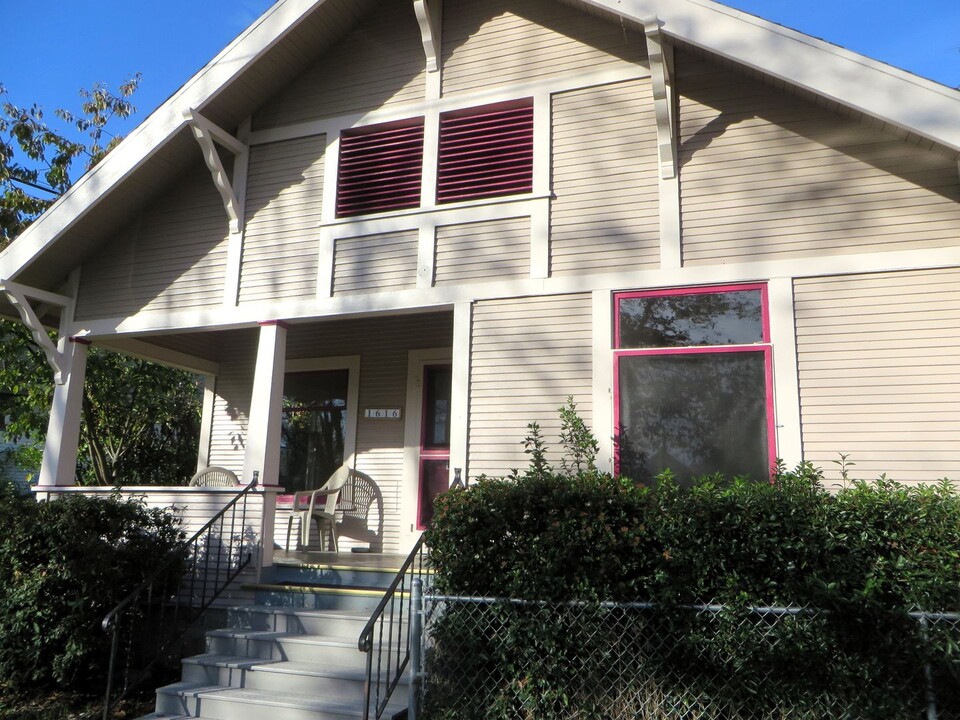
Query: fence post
point(415, 640)
point(927, 673)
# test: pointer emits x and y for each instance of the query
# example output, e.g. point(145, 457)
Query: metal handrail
point(386, 633)
point(170, 599)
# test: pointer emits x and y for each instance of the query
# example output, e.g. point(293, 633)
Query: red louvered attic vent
point(380, 169)
point(485, 152)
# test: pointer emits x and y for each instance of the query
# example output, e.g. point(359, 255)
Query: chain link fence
point(514, 660)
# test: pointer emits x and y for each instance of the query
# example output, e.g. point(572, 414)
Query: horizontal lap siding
point(378, 63)
point(766, 175)
point(605, 213)
point(494, 42)
point(879, 361)
point(383, 344)
point(527, 356)
point(494, 250)
point(231, 407)
point(172, 257)
point(375, 263)
point(281, 240)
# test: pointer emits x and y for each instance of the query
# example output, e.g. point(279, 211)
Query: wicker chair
point(214, 477)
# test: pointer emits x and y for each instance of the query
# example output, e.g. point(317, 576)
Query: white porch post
point(59, 465)
point(263, 429)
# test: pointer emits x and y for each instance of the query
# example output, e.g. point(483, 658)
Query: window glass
point(695, 413)
point(313, 428)
point(693, 382)
point(436, 421)
point(706, 318)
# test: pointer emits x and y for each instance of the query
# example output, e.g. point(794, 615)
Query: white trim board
point(426, 299)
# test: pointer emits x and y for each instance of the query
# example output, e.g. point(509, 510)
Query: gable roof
point(902, 100)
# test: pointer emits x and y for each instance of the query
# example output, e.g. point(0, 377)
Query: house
point(393, 232)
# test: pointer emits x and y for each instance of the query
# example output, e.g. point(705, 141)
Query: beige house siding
point(172, 257)
point(231, 409)
point(766, 174)
point(379, 63)
point(284, 202)
point(879, 362)
point(494, 42)
point(491, 250)
point(527, 356)
point(605, 216)
point(375, 263)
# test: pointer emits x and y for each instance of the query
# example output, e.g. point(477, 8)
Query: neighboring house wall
point(528, 355)
point(879, 359)
point(173, 256)
point(8, 468)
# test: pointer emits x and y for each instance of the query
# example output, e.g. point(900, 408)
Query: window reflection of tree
point(313, 428)
point(693, 413)
point(697, 319)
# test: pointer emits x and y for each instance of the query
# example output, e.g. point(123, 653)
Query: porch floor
point(386, 562)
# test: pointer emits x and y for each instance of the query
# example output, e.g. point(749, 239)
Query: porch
point(288, 403)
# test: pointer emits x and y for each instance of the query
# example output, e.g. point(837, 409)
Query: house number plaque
point(382, 413)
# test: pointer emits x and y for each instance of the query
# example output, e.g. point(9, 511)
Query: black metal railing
point(386, 636)
point(148, 627)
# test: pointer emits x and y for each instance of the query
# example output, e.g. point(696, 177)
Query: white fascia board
point(158, 129)
point(905, 100)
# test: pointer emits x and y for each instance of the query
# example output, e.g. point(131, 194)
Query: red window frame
point(765, 347)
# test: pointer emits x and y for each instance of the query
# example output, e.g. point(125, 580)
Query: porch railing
point(147, 628)
point(386, 636)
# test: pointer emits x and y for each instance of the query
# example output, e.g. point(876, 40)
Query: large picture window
point(694, 383)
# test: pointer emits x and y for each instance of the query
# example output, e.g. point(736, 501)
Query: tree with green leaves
point(140, 420)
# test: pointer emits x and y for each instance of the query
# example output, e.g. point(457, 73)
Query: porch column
point(59, 466)
point(263, 428)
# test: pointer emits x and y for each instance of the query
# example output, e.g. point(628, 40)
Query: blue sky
point(50, 50)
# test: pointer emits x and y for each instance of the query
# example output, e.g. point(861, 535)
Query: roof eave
point(906, 101)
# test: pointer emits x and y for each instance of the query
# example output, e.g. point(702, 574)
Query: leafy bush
point(866, 554)
point(64, 565)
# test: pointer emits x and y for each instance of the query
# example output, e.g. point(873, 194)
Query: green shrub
point(64, 564)
point(866, 554)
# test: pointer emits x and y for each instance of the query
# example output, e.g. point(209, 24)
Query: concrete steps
point(292, 655)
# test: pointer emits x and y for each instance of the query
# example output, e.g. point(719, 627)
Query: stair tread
point(319, 588)
point(305, 638)
point(280, 699)
point(291, 667)
point(305, 612)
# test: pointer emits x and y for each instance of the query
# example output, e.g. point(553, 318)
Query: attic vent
point(486, 152)
point(380, 168)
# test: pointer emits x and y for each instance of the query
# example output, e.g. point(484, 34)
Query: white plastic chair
point(306, 507)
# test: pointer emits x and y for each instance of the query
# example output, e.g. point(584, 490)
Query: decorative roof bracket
point(428, 16)
point(20, 297)
point(660, 54)
point(207, 133)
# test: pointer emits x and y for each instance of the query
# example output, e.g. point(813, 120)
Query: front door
point(426, 437)
point(434, 471)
